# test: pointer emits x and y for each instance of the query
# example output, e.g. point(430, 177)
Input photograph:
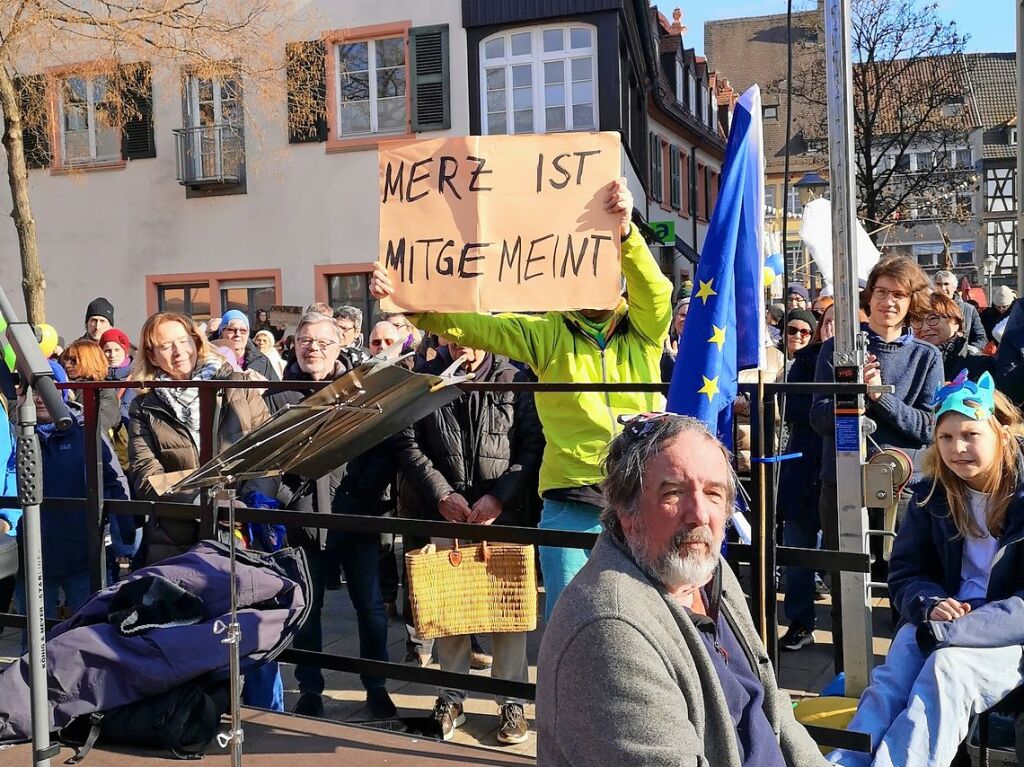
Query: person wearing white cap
point(1002, 299)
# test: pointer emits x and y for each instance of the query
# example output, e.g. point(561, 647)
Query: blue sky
point(991, 29)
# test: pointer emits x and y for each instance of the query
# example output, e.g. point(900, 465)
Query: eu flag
point(724, 331)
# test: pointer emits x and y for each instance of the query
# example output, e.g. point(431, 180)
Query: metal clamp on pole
point(232, 632)
point(885, 475)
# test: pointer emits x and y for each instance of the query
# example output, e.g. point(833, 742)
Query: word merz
point(419, 179)
point(560, 256)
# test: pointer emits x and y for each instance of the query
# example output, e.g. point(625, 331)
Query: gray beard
point(669, 568)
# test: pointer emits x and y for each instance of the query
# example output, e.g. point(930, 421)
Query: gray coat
point(624, 678)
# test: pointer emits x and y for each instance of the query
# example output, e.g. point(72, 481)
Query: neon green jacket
point(578, 426)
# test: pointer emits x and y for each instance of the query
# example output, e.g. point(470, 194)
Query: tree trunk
point(33, 283)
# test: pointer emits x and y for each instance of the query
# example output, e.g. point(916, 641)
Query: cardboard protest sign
point(500, 223)
point(284, 316)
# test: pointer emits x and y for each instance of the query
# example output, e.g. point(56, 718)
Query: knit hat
point(119, 337)
point(800, 290)
point(100, 307)
point(1002, 296)
point(803, 315)
point(230, 316)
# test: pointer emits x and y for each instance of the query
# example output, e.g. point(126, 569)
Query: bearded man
point(651, 656)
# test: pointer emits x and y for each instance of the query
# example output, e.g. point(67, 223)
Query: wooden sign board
point(500, 223)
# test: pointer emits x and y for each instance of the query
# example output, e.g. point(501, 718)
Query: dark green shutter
point(307, 91)
point(137, 139)
point(35, 124)
point(430, 82)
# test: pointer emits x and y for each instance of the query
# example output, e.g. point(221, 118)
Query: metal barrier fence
point(763, 555)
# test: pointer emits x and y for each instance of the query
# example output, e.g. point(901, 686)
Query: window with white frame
point(794, 206)
point(703, 105)
point(770, 111)
point(539, 80)
point(371, 87)
point(769, 195)
point(88, 130)
point(679, 81)
point(213, 122)
point(692, 94)
point(1012, 136)
point(712, 108)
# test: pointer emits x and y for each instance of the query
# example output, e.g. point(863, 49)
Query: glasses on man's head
point(792, 330)
point(880, 294)
point(639, 425)
point(319, 343)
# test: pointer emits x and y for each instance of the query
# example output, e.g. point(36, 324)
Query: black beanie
point(100, 307)
point(803, 315)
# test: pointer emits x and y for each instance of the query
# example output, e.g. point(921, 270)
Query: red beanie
point(118, 337)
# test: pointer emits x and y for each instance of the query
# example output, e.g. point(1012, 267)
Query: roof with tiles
point(994, 77)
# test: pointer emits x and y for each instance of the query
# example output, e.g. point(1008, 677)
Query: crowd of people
point(650, 619)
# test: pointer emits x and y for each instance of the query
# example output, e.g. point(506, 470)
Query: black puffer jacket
point(259, 362)
point(295, 493)
point(485, 443)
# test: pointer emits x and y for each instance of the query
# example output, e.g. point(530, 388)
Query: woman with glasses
point(798, 331)
point(84, 361)
point(943, 327)
point(163, 424)
point(896, 295)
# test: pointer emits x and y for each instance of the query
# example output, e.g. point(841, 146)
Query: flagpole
point(856, 641)
point(762, 516)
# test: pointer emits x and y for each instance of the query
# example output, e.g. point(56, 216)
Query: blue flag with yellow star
point(724, 330)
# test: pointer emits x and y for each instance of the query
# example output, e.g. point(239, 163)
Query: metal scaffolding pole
point(849, 346)
point(1019, 234)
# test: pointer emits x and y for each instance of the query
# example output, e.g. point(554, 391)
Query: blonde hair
point(142, 368)
point(1003, 480)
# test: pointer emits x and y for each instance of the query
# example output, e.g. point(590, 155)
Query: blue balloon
point(774, 262)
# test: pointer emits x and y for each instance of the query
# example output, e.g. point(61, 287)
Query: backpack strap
point(95, 720)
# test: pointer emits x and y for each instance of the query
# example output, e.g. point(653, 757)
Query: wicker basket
point(482, 588)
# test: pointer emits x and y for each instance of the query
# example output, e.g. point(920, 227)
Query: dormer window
point(679, 81)
point(1012, 135)
point(692, 93)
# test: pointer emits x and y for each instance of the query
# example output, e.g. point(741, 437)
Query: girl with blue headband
point(956, 575)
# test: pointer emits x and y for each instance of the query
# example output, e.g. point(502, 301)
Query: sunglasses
point(639, 425)
point(791, 331)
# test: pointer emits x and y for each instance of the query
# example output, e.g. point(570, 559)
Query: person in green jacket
point(620, 345)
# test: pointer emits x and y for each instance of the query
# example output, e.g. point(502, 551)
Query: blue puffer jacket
point(925, 568)
point(65, 534)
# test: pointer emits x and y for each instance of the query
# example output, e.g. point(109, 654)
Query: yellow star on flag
point(705, 291)
point(710, 387)
point(717, 337)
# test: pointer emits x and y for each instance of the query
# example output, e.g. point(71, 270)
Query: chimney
point(678, 28)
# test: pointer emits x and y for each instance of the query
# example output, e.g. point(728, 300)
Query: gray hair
point(942, 275)
point(313, 318)
point(349, 313)
point(627, 458)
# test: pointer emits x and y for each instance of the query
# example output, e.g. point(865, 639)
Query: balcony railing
point(210, 155)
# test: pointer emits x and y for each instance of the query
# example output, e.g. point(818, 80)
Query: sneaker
point(512, 726)
point(309, 704)
point(448, 715)
point(380, 704)
point(413, 658)
point(479, 660)
point(796, 636)
point(821, 591)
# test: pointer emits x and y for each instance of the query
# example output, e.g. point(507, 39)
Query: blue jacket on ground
point(65, 533)
point(925, 568)
point(905, 419)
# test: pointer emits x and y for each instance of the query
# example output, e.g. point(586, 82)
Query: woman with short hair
point(84, 361)
point(943, 327)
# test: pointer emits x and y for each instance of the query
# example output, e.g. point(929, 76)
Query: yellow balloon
point(47, 338)
point(769, 276)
